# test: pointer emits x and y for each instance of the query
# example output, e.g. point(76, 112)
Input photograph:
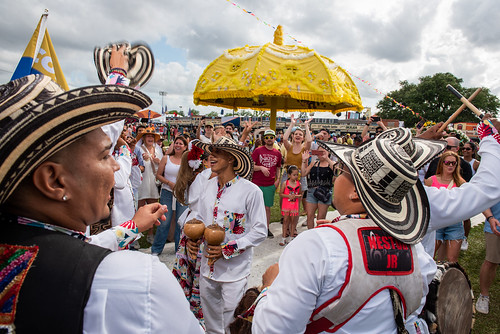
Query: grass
point(472, 260)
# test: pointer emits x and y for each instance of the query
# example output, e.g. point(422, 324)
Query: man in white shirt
point(340, 276)
point(237, 205)
point(446, 207)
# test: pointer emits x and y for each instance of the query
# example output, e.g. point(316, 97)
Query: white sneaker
point(483, 304)
point(465, 245)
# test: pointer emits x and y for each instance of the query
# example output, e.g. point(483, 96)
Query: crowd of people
point(58, 180)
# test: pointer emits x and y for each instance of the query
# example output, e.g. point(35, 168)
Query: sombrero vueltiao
point(141, 63)
point(385, 174)
point(244, 162)
point(148, 131)
point(39, 118)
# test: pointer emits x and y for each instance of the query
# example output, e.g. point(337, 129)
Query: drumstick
point(459, 110)
point(464, 101)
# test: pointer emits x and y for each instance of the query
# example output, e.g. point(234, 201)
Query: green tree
point(212, 114)
point(433, 101)
point(179, 112)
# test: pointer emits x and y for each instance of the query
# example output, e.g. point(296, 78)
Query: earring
point(64, 198)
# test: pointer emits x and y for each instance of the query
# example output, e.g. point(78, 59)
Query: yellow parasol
point(276, 77)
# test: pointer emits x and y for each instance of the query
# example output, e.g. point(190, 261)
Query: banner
point(39, 57)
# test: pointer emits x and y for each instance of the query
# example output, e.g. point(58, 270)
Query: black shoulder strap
point(57, 287)
point(398, 312)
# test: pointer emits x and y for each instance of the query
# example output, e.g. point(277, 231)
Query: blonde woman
point(448, 176)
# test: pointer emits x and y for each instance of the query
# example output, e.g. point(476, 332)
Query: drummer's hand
point(213, 252)
point(118, 58)
point(432, 132)
point(270, 274)
point(495, 226)
point(148, 215)
point(193, 247)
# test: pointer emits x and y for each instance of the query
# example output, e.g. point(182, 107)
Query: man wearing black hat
point(56, 174)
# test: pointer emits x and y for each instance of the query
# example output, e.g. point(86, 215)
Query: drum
point(449, 303)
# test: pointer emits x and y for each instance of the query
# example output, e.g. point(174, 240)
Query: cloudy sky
point(382, 42)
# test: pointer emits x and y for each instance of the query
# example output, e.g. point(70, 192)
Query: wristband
point(488, 218)
point(119, 71)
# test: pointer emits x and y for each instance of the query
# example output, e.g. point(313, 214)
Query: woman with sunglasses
point(448, 176)
point(319, 175)
point(469, 155)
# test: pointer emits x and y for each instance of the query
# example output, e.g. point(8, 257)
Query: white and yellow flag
point(39, 57)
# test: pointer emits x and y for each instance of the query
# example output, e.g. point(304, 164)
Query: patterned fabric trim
point(486, 128)
point(126, 233)
point(187, 272)
point(34, 223)
point(15, 261)
point(117, 79)
point(248, 314)
point(353, 216)
point(230, 249)
point(123, 151)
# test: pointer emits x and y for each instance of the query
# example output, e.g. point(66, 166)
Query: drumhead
point(454, 303)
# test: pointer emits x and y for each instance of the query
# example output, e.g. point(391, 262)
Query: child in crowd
point(290, 194)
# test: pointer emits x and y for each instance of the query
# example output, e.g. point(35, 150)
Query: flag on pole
point(39, 57)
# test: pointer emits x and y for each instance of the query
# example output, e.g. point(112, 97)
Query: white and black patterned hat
point(141, 63)
point(386, 180)
point(420, 151)
point(39, 118)
point(244, 162)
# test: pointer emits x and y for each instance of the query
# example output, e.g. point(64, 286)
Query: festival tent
point(277, 77)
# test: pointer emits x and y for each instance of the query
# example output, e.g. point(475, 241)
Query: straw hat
point(148, 131)
point(244, 162)
point(39, 118)
point(386, 180)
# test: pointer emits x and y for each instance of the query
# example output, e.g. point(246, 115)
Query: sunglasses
point(466, 149)
point(339, 168)
point(268, 137)
point(449, 147)
point(450, 163)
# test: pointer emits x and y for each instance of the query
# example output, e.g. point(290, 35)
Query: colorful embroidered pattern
point(248, 314)
point(15, 261)
point(126, 233)
point(187, 273)
point(34, 223)
point(117, 79)
point(486, 128)
point(234, 223)
point(230, 249)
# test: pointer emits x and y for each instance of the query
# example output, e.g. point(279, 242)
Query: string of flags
point(352, 75)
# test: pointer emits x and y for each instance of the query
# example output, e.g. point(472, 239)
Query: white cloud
point(382, 42)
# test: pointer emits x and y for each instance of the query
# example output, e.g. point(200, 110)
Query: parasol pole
point(274, 103)
point(459, 110)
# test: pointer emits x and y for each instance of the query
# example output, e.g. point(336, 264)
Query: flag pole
point(41, 34)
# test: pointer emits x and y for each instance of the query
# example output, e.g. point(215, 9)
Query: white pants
point(218, 301)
